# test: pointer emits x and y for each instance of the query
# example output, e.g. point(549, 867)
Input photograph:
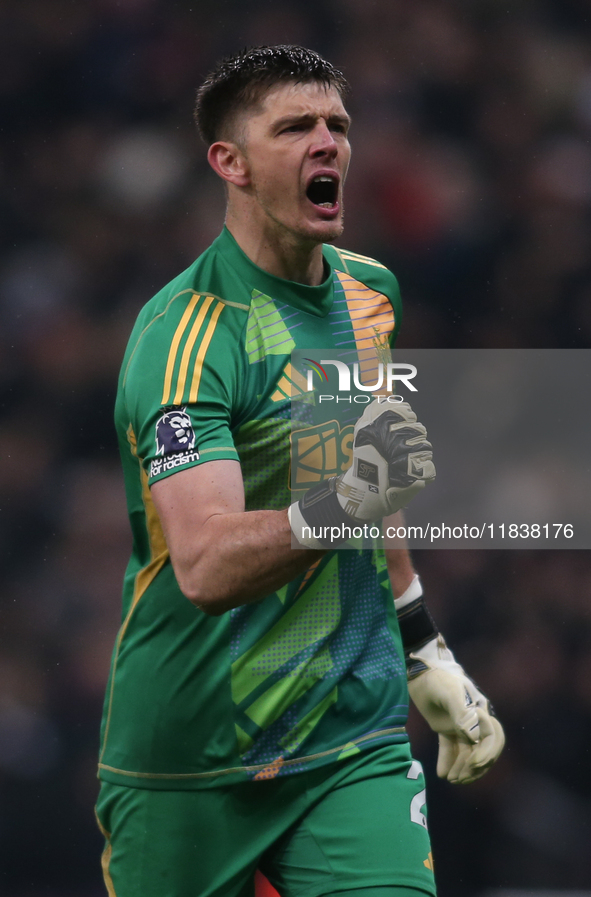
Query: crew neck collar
point(315, 300)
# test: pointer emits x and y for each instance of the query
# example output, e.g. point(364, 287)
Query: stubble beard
point(310, 236)
point(338, 229)
point(297, 234)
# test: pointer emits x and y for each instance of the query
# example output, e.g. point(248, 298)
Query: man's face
point(298, 154)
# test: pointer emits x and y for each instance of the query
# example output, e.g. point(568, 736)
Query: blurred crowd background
point(471, 178)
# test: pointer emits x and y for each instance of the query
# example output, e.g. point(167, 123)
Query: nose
point(324, 143)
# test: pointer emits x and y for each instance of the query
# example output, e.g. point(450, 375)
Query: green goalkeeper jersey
point(315, 671)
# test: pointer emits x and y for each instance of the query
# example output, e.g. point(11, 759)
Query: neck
point(278, 252)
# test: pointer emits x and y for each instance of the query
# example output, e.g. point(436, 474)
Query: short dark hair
point(239, 82)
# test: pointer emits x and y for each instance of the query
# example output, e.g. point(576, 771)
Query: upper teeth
point(323, 177)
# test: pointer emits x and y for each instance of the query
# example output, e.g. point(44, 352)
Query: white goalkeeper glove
point(470, 736)
point(392, 461)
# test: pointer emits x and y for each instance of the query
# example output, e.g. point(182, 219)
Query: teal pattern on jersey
point(340, 635)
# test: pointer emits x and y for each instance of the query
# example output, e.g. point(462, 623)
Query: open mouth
point(323, 191)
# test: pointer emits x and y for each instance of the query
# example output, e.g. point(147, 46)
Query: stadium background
point(471, 178)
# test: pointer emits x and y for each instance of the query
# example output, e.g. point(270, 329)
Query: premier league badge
point(175, 441)
point(174, 432)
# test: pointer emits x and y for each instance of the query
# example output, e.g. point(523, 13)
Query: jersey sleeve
point(181, 386)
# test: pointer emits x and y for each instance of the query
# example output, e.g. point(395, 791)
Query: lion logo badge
point(174, 432)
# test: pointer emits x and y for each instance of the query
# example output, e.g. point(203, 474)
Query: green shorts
point(356, 824)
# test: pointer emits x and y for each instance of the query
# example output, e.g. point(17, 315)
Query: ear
point(229, 162)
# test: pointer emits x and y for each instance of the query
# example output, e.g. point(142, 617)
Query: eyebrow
point(308, 116)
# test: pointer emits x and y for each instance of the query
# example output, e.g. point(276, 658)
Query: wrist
point(417, 626)
point(411, 593)
point(318, 520)
point(298, 528)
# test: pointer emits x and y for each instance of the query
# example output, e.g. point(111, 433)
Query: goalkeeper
point(256, 705)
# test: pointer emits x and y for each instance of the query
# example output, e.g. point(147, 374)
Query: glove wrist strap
point(417, 626)
point(322, 513)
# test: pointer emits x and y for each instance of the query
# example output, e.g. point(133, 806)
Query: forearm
point(238, 559)
point(400, 570)
point(400, 566)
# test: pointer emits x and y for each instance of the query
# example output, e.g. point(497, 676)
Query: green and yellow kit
point(314, 672)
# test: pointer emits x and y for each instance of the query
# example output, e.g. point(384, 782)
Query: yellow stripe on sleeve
point(182, 377)
point(174, 346)
point(197, 371)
